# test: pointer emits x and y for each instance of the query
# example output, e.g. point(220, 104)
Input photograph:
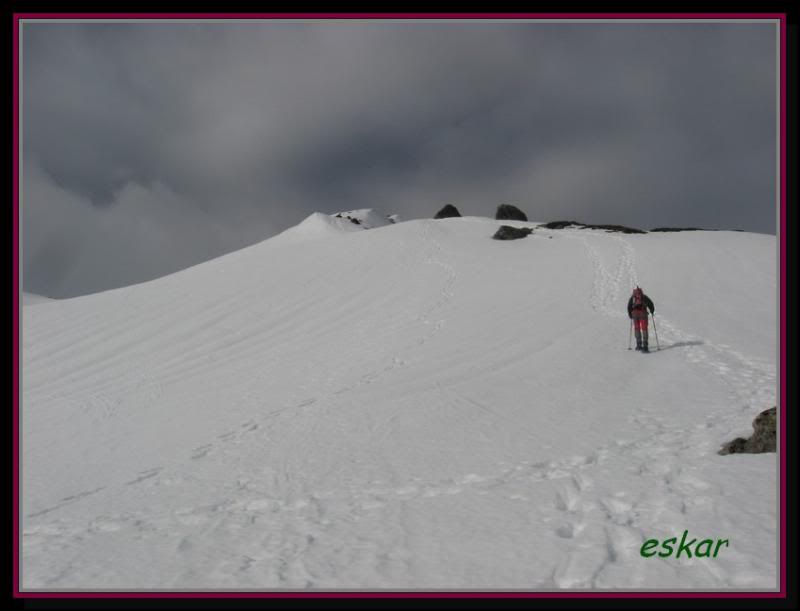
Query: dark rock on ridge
point(507, 232)
point(507, 212)
point(449, 211)
point(611, 228)
point(677, 229)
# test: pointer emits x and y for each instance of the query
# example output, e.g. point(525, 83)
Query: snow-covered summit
point(318, 224)
point(367, 218)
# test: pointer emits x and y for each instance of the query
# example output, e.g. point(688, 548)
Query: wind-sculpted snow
point(415, 406)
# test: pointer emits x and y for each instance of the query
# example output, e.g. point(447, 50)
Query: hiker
point(638, 305)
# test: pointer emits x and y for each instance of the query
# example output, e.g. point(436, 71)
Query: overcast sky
point(148, 148)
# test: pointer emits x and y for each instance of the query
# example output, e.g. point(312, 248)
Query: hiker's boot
point(644, 348)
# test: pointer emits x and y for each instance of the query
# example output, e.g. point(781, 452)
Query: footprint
point(569, 530)
point(581, 482)
point(618, 510)
point(556, 473)
point(201, 451)
point(693, 483)
point(623, 543)
point(568, 498)
point(698, 504)
point(616, 505)
point(246, 563)
point(578, 569)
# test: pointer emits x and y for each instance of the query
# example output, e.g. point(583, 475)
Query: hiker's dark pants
point(640, 328)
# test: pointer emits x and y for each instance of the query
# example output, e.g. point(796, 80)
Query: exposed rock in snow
point(507, 232)
point(575, 224)
point(762, 440)
point(366, 218)
point(507, 212)
point(562, 224)
point(449, 211)
point(616, 228)
point(318, 224)
point(673, 229)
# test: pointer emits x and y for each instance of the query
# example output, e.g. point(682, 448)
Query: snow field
point(414, 406)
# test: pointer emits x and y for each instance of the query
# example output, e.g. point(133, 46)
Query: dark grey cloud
point(151, 147)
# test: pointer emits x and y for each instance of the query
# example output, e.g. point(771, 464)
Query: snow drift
point(414, 406)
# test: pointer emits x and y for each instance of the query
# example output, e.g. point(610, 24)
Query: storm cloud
point(149, 147)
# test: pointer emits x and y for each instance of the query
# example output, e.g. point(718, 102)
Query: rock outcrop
point(763, 439)
point(366, 218)
point(507, 212)
point(668, 229)
point(562, 224)
point(449, 211)
point(507, 232)
point(611, 228)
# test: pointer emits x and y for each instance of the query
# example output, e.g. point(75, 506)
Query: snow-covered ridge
point(418, 406)
point(367, 218)
point(318, 224)
point(33, 299)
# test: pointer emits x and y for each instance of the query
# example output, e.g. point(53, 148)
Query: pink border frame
point(781, 17)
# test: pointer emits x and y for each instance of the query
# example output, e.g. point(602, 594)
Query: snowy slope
point(33, 299)
point(415, 406)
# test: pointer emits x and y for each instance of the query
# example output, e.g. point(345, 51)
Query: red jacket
point(640, 311)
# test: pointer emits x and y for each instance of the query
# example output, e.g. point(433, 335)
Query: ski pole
point(658, 347)
point(630, 333)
